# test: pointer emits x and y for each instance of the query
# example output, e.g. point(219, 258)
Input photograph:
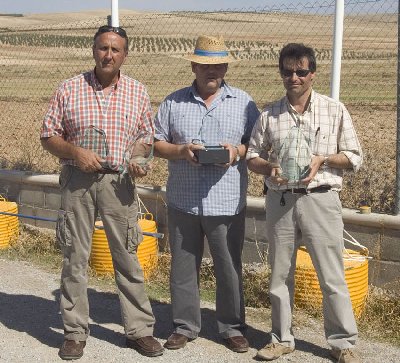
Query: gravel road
point(31, 329)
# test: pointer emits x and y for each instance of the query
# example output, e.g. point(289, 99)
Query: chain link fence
point(35, 55)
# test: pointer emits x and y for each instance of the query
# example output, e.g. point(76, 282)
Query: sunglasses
point(299, 72)
point(115, 29)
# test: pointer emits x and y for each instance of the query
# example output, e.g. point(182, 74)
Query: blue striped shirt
point(207, 190)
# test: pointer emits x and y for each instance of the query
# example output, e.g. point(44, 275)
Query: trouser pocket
point(134, 236)
point(62, 230)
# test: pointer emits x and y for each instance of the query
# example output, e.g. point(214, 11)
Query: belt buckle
point(298, 191)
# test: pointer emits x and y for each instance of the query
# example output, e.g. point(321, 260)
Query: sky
point(60, 6)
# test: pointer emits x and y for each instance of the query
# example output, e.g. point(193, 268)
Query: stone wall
point(38, 196)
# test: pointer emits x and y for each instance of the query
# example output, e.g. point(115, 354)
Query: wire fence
point(35, 56)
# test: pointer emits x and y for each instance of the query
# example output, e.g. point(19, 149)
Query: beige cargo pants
point(114, 198)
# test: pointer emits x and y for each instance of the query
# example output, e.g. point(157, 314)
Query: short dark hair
point(114, 29)
point(298, 51)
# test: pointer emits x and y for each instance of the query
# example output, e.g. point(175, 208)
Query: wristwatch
point(325, 163)
point(237, 153)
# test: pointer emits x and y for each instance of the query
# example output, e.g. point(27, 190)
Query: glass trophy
point(142, 151)
point(295, 155)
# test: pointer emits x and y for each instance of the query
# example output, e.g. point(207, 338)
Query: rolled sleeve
point(349, 144)
point(147, 124)
point(52, 124)
point(259, 139)
point(161, 122)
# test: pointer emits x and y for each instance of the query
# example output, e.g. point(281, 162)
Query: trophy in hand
point(295, 156)
point(142, 151)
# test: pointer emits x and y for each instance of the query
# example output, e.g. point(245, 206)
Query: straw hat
point(210, 50)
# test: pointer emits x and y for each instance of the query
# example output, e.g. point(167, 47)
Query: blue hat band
point(206, 53)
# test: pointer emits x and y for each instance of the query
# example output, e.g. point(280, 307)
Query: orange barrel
point(307, 289)
point(9, 225)
point(147, 252)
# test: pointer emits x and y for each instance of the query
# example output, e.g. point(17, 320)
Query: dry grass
point(30, 75)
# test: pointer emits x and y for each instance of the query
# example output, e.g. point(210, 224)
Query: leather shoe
point(147, 346)
point(238, 344)
point(176, 341)
point(71, 349)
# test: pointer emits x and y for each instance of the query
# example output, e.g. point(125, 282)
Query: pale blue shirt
point(207, 190)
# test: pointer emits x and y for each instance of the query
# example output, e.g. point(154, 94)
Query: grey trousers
point(313, 220)
point(225, 236)
point(114, 198)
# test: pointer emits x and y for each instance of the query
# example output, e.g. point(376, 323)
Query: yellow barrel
point(100, 257)
point(307, 289)
point(147, 252)
point(8, 224)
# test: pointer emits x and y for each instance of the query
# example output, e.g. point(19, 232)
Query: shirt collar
point(291, 108)
point(94, 82)
point(226, 91)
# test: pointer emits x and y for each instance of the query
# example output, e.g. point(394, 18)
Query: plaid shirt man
point(81, 114)
point(326, 123)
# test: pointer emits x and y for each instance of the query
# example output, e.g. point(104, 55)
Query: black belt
point(107, 171)
point(320, 189)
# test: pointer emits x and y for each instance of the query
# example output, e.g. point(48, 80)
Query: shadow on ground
point(40, 318)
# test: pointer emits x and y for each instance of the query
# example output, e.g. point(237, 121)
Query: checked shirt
point(326, 123)
point(207, 190)
point(81, 114)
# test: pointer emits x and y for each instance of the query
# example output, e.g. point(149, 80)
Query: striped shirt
point(326, 124)
point(82, 115)
point(207, 190)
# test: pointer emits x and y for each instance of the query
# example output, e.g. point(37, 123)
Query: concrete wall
point(38, 195)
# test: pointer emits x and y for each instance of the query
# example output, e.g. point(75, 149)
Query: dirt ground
point(31, 328)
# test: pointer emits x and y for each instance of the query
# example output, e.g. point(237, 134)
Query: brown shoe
point(176, 341)
point(238, 344)
point(71, 349)
point(147, 346)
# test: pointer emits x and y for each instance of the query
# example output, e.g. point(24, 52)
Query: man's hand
point(137, 171)
point(315, 164)
point(87, 160)
point(275, 174)
point(187, 152)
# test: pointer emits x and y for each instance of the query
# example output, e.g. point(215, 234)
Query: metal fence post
point(337, 49)
point(397, 187)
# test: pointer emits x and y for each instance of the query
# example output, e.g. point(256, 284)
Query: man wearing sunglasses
point(91, 124)
point(302, 143)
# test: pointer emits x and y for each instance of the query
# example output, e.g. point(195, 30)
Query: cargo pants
point(113, 197)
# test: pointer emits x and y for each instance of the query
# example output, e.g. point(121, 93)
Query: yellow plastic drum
point(147, 253)
point(9, 225)
point(307, 289)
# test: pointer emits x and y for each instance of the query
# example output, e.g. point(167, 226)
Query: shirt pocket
point(323, 142)
point(184, 128)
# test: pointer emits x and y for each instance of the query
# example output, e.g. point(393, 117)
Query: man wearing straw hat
point(91, 124)
point(206, 198)
point(309, 139)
